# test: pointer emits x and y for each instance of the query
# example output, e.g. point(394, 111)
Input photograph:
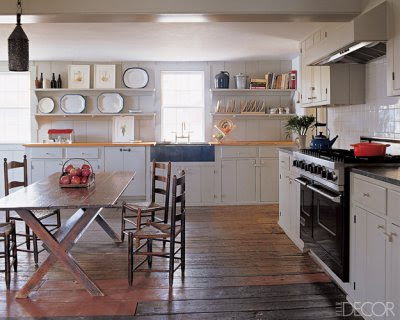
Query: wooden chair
point(155, 231)
point(39, 214)
point(149, 209)
point(9, 253)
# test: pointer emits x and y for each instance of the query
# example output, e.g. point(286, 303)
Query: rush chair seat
point(39, 214)
point(149, 209)
point(9, 252)
point(165, 232)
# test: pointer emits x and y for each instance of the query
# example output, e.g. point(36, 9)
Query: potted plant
point(299, 125)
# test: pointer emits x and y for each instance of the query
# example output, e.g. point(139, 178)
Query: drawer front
point(284, 161)
point(373, 197)
point(238, 152)
point(86, 153)
point(268, 152)
point(394, 204)
point(47, 153)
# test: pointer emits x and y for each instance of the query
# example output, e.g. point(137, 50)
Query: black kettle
point(222, 80)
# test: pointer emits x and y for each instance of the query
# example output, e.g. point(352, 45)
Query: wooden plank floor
point(236, 269)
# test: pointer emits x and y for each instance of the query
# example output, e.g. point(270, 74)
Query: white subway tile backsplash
point(380, 116)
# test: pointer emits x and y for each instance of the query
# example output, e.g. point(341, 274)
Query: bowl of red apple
point(77, 176)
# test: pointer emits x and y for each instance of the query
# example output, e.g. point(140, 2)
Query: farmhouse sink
point(182, 152)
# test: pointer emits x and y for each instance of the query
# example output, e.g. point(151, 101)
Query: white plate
point(72, 103)
point(110, 103)
point(136, 78)
point(46, 105)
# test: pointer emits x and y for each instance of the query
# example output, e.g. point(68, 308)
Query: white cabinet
point(289, 199)
point(374, 247)
point(393, 289)
point(246, 180)
point(199, 181)
point(247, 175)
point(285, 183)
point(342, 84)
point(128, 159)
point(393, 48)
point(269, 175)
point(238, 178)
point(369, 263)
point(41, 168)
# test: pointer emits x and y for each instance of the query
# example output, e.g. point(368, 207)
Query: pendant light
point(18, 46)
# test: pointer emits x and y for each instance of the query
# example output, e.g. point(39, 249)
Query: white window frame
point(203, 108)
point(27, 108)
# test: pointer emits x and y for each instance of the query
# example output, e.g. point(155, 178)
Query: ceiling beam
point(95, 11)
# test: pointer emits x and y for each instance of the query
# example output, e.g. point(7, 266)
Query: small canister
point(241, 81)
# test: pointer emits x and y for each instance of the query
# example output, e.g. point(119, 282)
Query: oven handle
point(302, 181)
point(326, 195)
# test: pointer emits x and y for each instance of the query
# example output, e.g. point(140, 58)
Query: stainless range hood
point(358, 41)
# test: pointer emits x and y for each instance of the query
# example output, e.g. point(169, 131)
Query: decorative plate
point(110, 103)
point(73, 103)
point(136, 78)
point(46, 105)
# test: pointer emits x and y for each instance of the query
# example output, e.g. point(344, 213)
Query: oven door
point(328, 228)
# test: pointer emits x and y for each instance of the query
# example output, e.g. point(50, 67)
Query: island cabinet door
point(44, 168)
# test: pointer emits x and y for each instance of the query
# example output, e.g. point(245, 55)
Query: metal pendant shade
point(18, 47)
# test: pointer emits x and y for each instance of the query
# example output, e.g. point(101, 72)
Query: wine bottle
point(41, 80)
point(53, 83)
point(59, 83)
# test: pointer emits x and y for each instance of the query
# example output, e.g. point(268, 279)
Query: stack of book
point(281, 81)
point(258, 84)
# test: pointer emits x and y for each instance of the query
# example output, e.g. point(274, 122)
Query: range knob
point(324, 173)
point(295, 162)
point(318, 169)
point(332, 176)
point(302, 165)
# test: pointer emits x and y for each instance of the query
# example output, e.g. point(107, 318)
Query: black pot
point(222, 80)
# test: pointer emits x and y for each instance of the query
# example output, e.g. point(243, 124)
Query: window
point(15, 107)
point(182, 105)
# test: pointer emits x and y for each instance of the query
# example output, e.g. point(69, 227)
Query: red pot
point(370, 149)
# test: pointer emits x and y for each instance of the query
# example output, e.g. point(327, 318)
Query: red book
point(293, 79)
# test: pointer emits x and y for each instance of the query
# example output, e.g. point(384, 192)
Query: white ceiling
point(161, 41)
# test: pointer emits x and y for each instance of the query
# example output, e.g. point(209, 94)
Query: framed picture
point(79, 76)
point(104, 76)
point(123, 129)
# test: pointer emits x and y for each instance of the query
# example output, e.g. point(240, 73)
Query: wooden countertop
point(91, 144)
point(253, 143)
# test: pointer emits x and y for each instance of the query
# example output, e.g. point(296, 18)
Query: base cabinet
point(128, 159)
point(289, 199)
point(374, 251)
point(269, 174)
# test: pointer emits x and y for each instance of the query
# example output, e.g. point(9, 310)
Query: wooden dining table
point(88, 203)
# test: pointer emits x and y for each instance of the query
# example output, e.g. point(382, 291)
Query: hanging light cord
point(19, 11)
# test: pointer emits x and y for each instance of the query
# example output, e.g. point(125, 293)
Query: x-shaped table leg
point(59, 245)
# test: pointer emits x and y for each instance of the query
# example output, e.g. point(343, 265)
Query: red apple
point(85, 166)
point(75, 180)
point(69, 168)
point(75, 172)
point(65, 180)
point(86, 172)
point(84, 180)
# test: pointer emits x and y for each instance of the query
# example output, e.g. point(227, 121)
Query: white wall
point(149, 130)
point(379, 116)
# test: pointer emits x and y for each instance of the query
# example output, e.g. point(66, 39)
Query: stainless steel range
point(324, 202)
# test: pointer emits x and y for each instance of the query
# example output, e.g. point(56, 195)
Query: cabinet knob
point(367, 195)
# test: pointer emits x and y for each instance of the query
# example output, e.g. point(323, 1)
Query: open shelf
point(96, 115)
point(260, 91)
point(144, 90)
point(252, 115)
